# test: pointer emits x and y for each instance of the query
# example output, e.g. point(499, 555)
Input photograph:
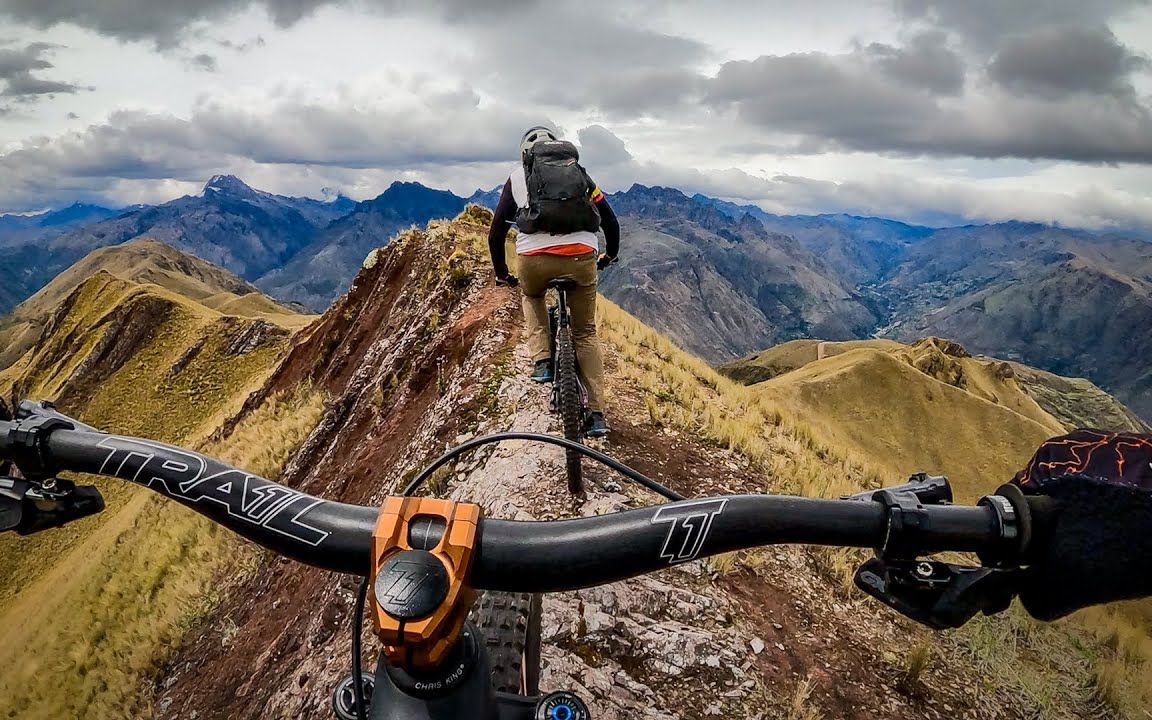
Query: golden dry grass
point(683, 392)
point(858, 420)
point(100, 618)
point(142, 262)
point(90, 610)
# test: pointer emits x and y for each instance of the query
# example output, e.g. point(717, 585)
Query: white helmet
point(534, 135)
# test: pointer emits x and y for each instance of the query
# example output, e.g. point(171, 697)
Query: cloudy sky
point(926, 110)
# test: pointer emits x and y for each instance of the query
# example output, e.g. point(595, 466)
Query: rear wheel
point(571, 405)
point(510, 623)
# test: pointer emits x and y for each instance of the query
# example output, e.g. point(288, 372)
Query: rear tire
point(510, 623)
point(571, 406)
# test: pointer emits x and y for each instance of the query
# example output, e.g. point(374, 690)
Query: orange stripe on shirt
point(571, 250)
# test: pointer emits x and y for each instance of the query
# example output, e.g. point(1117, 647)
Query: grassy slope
point(1074, 402)
point(785, 357)
point(145, 262)
point(90, 609)
point(885, 409)
point(1097, 664)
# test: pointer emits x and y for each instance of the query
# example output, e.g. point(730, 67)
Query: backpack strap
point(519, 180)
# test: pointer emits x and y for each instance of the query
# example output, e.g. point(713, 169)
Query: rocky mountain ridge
point(421, 352)
point(721, 279)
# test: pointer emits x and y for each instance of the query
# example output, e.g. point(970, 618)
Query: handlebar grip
point(1091, 543)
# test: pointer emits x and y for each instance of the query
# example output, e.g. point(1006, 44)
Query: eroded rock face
point(692, 641)
point(625, 644)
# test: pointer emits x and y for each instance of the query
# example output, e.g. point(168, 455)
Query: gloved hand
point(509, 280)
point(1091, 543)
point(605, 260)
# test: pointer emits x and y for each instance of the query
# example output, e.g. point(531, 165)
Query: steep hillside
point(1069, 302)
point(722, 286)
point(89, 610)
point(1077, 402)
point(785, 357)
point(246, 231)
point(859, 249)
point(894, 405)
point(324, 269)
point(1077, 318)
point(143, 261)
point(424, 349)
point(1058, 299)
point(1074, 402)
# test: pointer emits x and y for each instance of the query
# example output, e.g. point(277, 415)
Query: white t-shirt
point(526, 243)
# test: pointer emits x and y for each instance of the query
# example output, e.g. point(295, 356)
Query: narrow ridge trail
point(424, 352)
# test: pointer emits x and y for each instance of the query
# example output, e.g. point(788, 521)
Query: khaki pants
point(535, 272)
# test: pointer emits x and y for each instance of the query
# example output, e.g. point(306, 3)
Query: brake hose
point(422, 477)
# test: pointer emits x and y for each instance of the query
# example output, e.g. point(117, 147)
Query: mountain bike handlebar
point(509, 555)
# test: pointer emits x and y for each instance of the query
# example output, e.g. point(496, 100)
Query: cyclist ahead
point(558, 210)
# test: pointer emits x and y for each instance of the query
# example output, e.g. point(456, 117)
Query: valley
point(139, 336)
point(422, 350)
point(721, 279)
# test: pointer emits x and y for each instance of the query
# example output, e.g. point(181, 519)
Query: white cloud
point(918, 109)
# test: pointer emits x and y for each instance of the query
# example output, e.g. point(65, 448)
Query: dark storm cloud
point(445, 129)
point(1054, 61)
point(984, 22)
point(163, 20)
point(17, 67)
point(204, 62)
point(862, 101)
point(852, 98)
point(927, 63)
point(589, 60)
point(600, 147)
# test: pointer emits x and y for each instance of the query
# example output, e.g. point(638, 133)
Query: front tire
point(571, 406)
point(510, 624)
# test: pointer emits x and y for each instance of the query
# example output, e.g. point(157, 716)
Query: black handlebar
point(510, 555)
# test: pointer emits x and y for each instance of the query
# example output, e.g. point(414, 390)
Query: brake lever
point(938, 595)
point(28, 508)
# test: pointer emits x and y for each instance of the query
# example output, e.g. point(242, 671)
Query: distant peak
point(402, 187)
point(657, 192)
point(229, 184)
point(405, 193)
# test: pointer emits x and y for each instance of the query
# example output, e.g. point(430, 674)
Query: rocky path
point(759, 636)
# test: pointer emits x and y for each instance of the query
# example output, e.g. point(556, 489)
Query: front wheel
point(510, 624)
point(571, 405)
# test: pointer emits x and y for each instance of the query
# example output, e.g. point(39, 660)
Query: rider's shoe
point(596, 426)
point(542, 372)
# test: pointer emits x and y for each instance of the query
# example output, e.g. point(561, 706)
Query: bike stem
point(458, 687)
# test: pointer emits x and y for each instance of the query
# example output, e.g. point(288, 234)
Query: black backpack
point(559, 191)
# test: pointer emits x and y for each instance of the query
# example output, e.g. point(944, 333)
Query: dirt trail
point(700, 640)
point(420, 355)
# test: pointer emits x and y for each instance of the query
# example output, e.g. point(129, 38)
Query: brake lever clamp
point(25, 444)
point(937, 594)
point(906, 517)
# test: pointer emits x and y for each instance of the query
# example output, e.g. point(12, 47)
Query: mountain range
point(141, 338)
point(722, 280)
